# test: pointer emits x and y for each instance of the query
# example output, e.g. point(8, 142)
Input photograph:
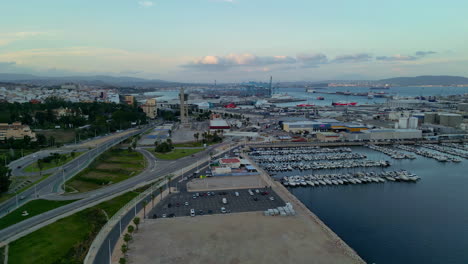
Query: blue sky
point(238, 40)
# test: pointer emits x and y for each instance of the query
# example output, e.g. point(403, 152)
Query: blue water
point(390, 223)
point(395, 91)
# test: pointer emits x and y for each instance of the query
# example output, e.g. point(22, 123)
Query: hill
point(443, 80)
point(101, 80)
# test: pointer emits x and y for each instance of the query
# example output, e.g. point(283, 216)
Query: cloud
point(146, 3)
point(424, 53)
point(417, 55)
point(360, 57)
point(7, 38)
point(312, 60)
point(237, 60)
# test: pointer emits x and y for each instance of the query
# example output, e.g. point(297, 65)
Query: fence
point(101, 249)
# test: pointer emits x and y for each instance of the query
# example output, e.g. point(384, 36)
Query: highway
point(52, 184)
point(153, 170)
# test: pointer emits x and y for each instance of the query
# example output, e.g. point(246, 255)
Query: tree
point(152, 200)
point(40, 165)
point(136, 221)
point(161, 192)
point(144, 203)
point(130, 229)
point(124, 249)
point(168, 178)
point(127, 238)
point(122, 261)
point(196, 136)
point(4, 179)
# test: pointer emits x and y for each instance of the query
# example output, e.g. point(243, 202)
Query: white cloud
point(146, 3)
point(7, 38)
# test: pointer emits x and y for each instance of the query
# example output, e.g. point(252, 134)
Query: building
point(16, 131)
point(233, 163)
point(129, 99)
point(150, 108)
point(328, 136)
point(219, 124)
point(302, 126)
point(450, 120)
point(384, 134)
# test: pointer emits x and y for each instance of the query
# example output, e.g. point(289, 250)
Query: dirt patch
point(235, 238)
point(226, 182)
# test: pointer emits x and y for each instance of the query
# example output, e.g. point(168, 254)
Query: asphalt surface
point(151, 172)
point(17, 167)
point(174, 205)
point(52, 183)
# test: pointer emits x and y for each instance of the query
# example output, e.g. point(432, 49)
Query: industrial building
point(16, 131)
point(384, 134)
point(328, 136)
point(444, 119)
point(219, 124)
point(301, 126)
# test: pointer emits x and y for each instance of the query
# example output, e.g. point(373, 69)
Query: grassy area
point(34, 207)
point(67, 240)
point(5, 196)
point(113, 166)
point(17, 153)
point(176, 153)
point(34, 168)
point(192, 144)
point(61, 136)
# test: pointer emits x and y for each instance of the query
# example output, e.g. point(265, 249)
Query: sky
point(235, 40)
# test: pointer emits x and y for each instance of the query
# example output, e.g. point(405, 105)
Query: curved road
point(52, 183)
point(90, 198)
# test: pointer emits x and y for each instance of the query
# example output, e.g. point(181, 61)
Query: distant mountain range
point(101, 80)
point(443, 80)
point(104, 80)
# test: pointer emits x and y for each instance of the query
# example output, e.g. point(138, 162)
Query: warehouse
point(384, 134)
point(219, 124)
point(302, 126)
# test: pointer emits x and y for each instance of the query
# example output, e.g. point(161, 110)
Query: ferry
point(344, 103)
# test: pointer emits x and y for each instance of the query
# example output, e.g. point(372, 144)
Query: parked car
point(186, 204)
point(272, 198)
point(192, 212)
point(236, 194)
point(223, 210)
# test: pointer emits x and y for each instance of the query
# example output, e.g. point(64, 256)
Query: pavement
point(234, 238)
point(90, 198)
point(212, 203)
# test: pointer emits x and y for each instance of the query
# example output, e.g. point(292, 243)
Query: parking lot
point(211, 202)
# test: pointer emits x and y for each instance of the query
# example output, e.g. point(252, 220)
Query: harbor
point(341, 198)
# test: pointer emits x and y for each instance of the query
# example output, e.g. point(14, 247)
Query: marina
point(348, 178)
point(391, 152)
point(428, 154)
point(446, 150)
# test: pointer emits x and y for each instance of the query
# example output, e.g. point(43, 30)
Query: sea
point(311, 98)
point(397, 222)
point(409, 92)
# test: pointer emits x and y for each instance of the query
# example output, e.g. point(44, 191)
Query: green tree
point(196, 136)
point(122, 261)
point(168, 178)
point(4, 179)
point(161, 192)
point(127, 238)
point(152, 200)
point(130, 229)
point(136, 221)
point(124, 249)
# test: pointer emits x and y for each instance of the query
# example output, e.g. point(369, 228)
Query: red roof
point(230, 160)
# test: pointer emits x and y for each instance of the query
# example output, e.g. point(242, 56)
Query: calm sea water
point(396, 91)
point(393, 222)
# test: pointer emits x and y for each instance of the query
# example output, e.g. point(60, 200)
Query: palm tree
point(144, 203)
point(136, 221)
point(152, 200)
point(161, 192)
point(168, 178)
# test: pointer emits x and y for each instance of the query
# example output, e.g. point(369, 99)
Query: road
point(90, 198)
point(52, 184)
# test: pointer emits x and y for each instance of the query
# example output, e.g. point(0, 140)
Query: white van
point(192, 212)
point(224, 201)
